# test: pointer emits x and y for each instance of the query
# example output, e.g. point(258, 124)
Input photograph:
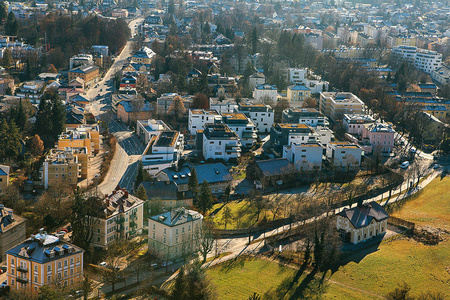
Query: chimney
point(125, 194)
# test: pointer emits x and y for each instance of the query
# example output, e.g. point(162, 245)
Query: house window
point(59, 265)
point(49, 268)
point(65, 263)
point(35, 279)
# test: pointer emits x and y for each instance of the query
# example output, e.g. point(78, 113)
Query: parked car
point(4, 284)
point(103, 264)
point(154, 266)
point(436, 166)
point(412, 150)
point(404, 165)
point(163, 264)
point(65, 230)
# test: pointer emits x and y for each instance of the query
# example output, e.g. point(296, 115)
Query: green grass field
point(431, 207)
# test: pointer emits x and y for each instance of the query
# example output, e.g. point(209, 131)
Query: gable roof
point(272, 167)
point(298, 87)
point(212, 173)
point(129, 107)
point(4, 170)
point(177, 217)
point(361, 216)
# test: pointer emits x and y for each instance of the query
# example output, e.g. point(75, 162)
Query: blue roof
point(436, 108)
point(428, 86)
point(79, 98)
point(177, 217)
point(299, 87)
point(212, 173)
point(129, 107)
point(266, 87)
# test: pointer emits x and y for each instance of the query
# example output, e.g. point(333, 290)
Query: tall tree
point(19, 115)
point(36, 146)
point(11, 26)
point(200, 101)
point(58, 115)
point(141, 193)
point(139, 176)
point(205, 200)
point(3, 12)
point(177, 107)
point(193, 183)
point(171, 7)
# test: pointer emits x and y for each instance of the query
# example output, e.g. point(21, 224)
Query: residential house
point(129, 111)
point(4, 177)
point(265, 92)
point(60, 165)
point(44, 259)
point(305, 157)
point(223, 106)
point(243, 126)
point(164, 102)
point(272, 172)
point(217, 175)
point(144, 56)
point(32, 90)
point(83, 136)
point(90, 75)
point(363, 222)
point(427, 60)
point(179, 176)
point(12, 230)
point(122, 218)
point(380, 136)
point(175, 234)
point(168, 195)
point(81, 60)
point(199, 117)
point(344, 154)
point(298, 93)
point(441, 74)
point(218, 141)
point(146, 129)
point(309, 116)
point(256, 79)
point(7, 85)
point(354, 123)
point(163, 151)
point(336, 104)
point(260, 114)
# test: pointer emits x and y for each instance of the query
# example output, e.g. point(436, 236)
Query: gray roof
point(212, 173)
point(272, 167)
point(160, 190)
point(361, 216)
point(177, 217)
point(179, 177)
point(4, 170)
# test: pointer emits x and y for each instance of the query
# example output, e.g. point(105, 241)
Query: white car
point(404, 165)
point(163, 264)
point(103, 264)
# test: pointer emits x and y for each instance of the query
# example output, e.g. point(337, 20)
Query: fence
point(400, 222)
point(257, 229)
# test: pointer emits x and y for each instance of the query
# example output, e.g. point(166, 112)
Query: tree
point(179, 288)
point(19, 115)
point(200, 101)
point(255, 296)
point(227, 193)
point(7, 59)
point(36, 146)
point(10, 137)
point(11, 26)
point(310, 103)
point(140, 175)
point(177, 108)
point(3, 12)
point(206, 239)
point(51, 69)
point(227, 215)
point(171, 7)
point(58, 115)
point(193, 183)
point(141, 193)
point(205, 200)
point(46, 292)
point(400, 293)
point(192, 284)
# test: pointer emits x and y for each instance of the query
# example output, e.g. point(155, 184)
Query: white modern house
point(220, 142)
point(354, 123)
point(344, 154)
point(223, 106)
point(256, 79)
point(145, 129)
point(305, 157)
point(175, 233)
point(163, 151)
point(309, 116)
point(427, 60)
point(244, 127)
point(260, 114)
point(265, 91)
point(199, 117)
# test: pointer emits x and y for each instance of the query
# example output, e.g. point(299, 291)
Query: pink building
point(354, 123)
point(380, 136)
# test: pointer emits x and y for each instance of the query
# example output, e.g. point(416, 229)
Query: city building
point(271, 172)
point(129, 111)
point(223, 106)
point(244, 127)
point(297, 75)
point(89, 74)
point(144, 56)
point(354, 123)
point(405, 52)
point(199, 117)
point(335, 105)
point(60, 165)
point(344, 154)
point(163, 151)
point(282, 134)
point(145, 129)
point(165, 102)
point(12, 230)
point(122, 218)
point(380, 136)
point(44, 259)
point(32, 90)
point(219, 142)
point(265, 92)
point(297, 93)
point(363, 222)
point(101, 49)
point(427, 60)
point(7, 85)
point(262, 115)
point(4, 177)
point(80, 60)
point(305, 157)
point(175, 234)
point(401, 40)
point(256, 79)
point(308, 116)
point(82, 136)
point(441, 74)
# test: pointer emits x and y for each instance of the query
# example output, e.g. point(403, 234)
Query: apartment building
point(256, 79)
point(122, 218)
point(297, 75)
point(60, 165)
point(90, 75)
point(441, 74)
point(405, 52)
point(174, 234)
point(165, 102)
point(354, 123)
point(223, 106)
point(265, 91)
point(308, 116)
point(344, 154)
point(12, 230)
point(144, 56)
point(305, 157)
point(282, 134)
point(81, 60)
point(145, 129)
point(298, 93)
point(401, 40)
point(427, 61)
point(44, 259)
point(4, 177)
point(336, 104)
point(260, 114)
point(243, 126)
point(380, 136)
point(220, 142)
point(199, 117)
point(163, 151)
point(87, 136)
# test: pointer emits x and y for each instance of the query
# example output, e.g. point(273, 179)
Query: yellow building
point(83, 136)
point(402, 40)
point(44, 259)
point(4, 177)
point(89, 74)
point(60, 165)
point(334, 105)
point(297, 93)
point(123, 218)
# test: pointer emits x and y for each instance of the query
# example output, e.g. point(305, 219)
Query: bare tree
point(206, 239)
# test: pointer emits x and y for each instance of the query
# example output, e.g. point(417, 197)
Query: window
point(71, 261)
point(65, 273)
point(98, 230)
point(59, 265)
point(12, 281)
point(59, 274)
point(164, 230)
point(65, 263)
point(177, 231)
point(35, 279)
point(49, 268)
point(71, 271)
point(12, 261)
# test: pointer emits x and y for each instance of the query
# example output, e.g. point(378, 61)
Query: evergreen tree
point(10, 137)
point(11, 26)
point(254, 40)
point(205, 200)
point(139, 176)
point(3, 12)
point(193, 183)
point(7, 59)
point(19, 116)
point(171, 7)
point(58, 116)
point(179, 288)
point(141, 193)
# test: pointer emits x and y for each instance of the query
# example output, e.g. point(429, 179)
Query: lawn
point(273, 281)
point(431, 207)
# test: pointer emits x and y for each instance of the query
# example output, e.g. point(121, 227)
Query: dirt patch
point(429, 235)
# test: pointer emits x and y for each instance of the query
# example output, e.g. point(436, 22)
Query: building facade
point(199, 117)
point(220, 142)
point(305, 157)
point(260, 114)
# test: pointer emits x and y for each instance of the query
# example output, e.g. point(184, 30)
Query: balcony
point(22, 280)
point(22, 269)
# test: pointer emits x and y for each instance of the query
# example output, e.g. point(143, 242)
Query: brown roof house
point(363, 222)
point(272, 172)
